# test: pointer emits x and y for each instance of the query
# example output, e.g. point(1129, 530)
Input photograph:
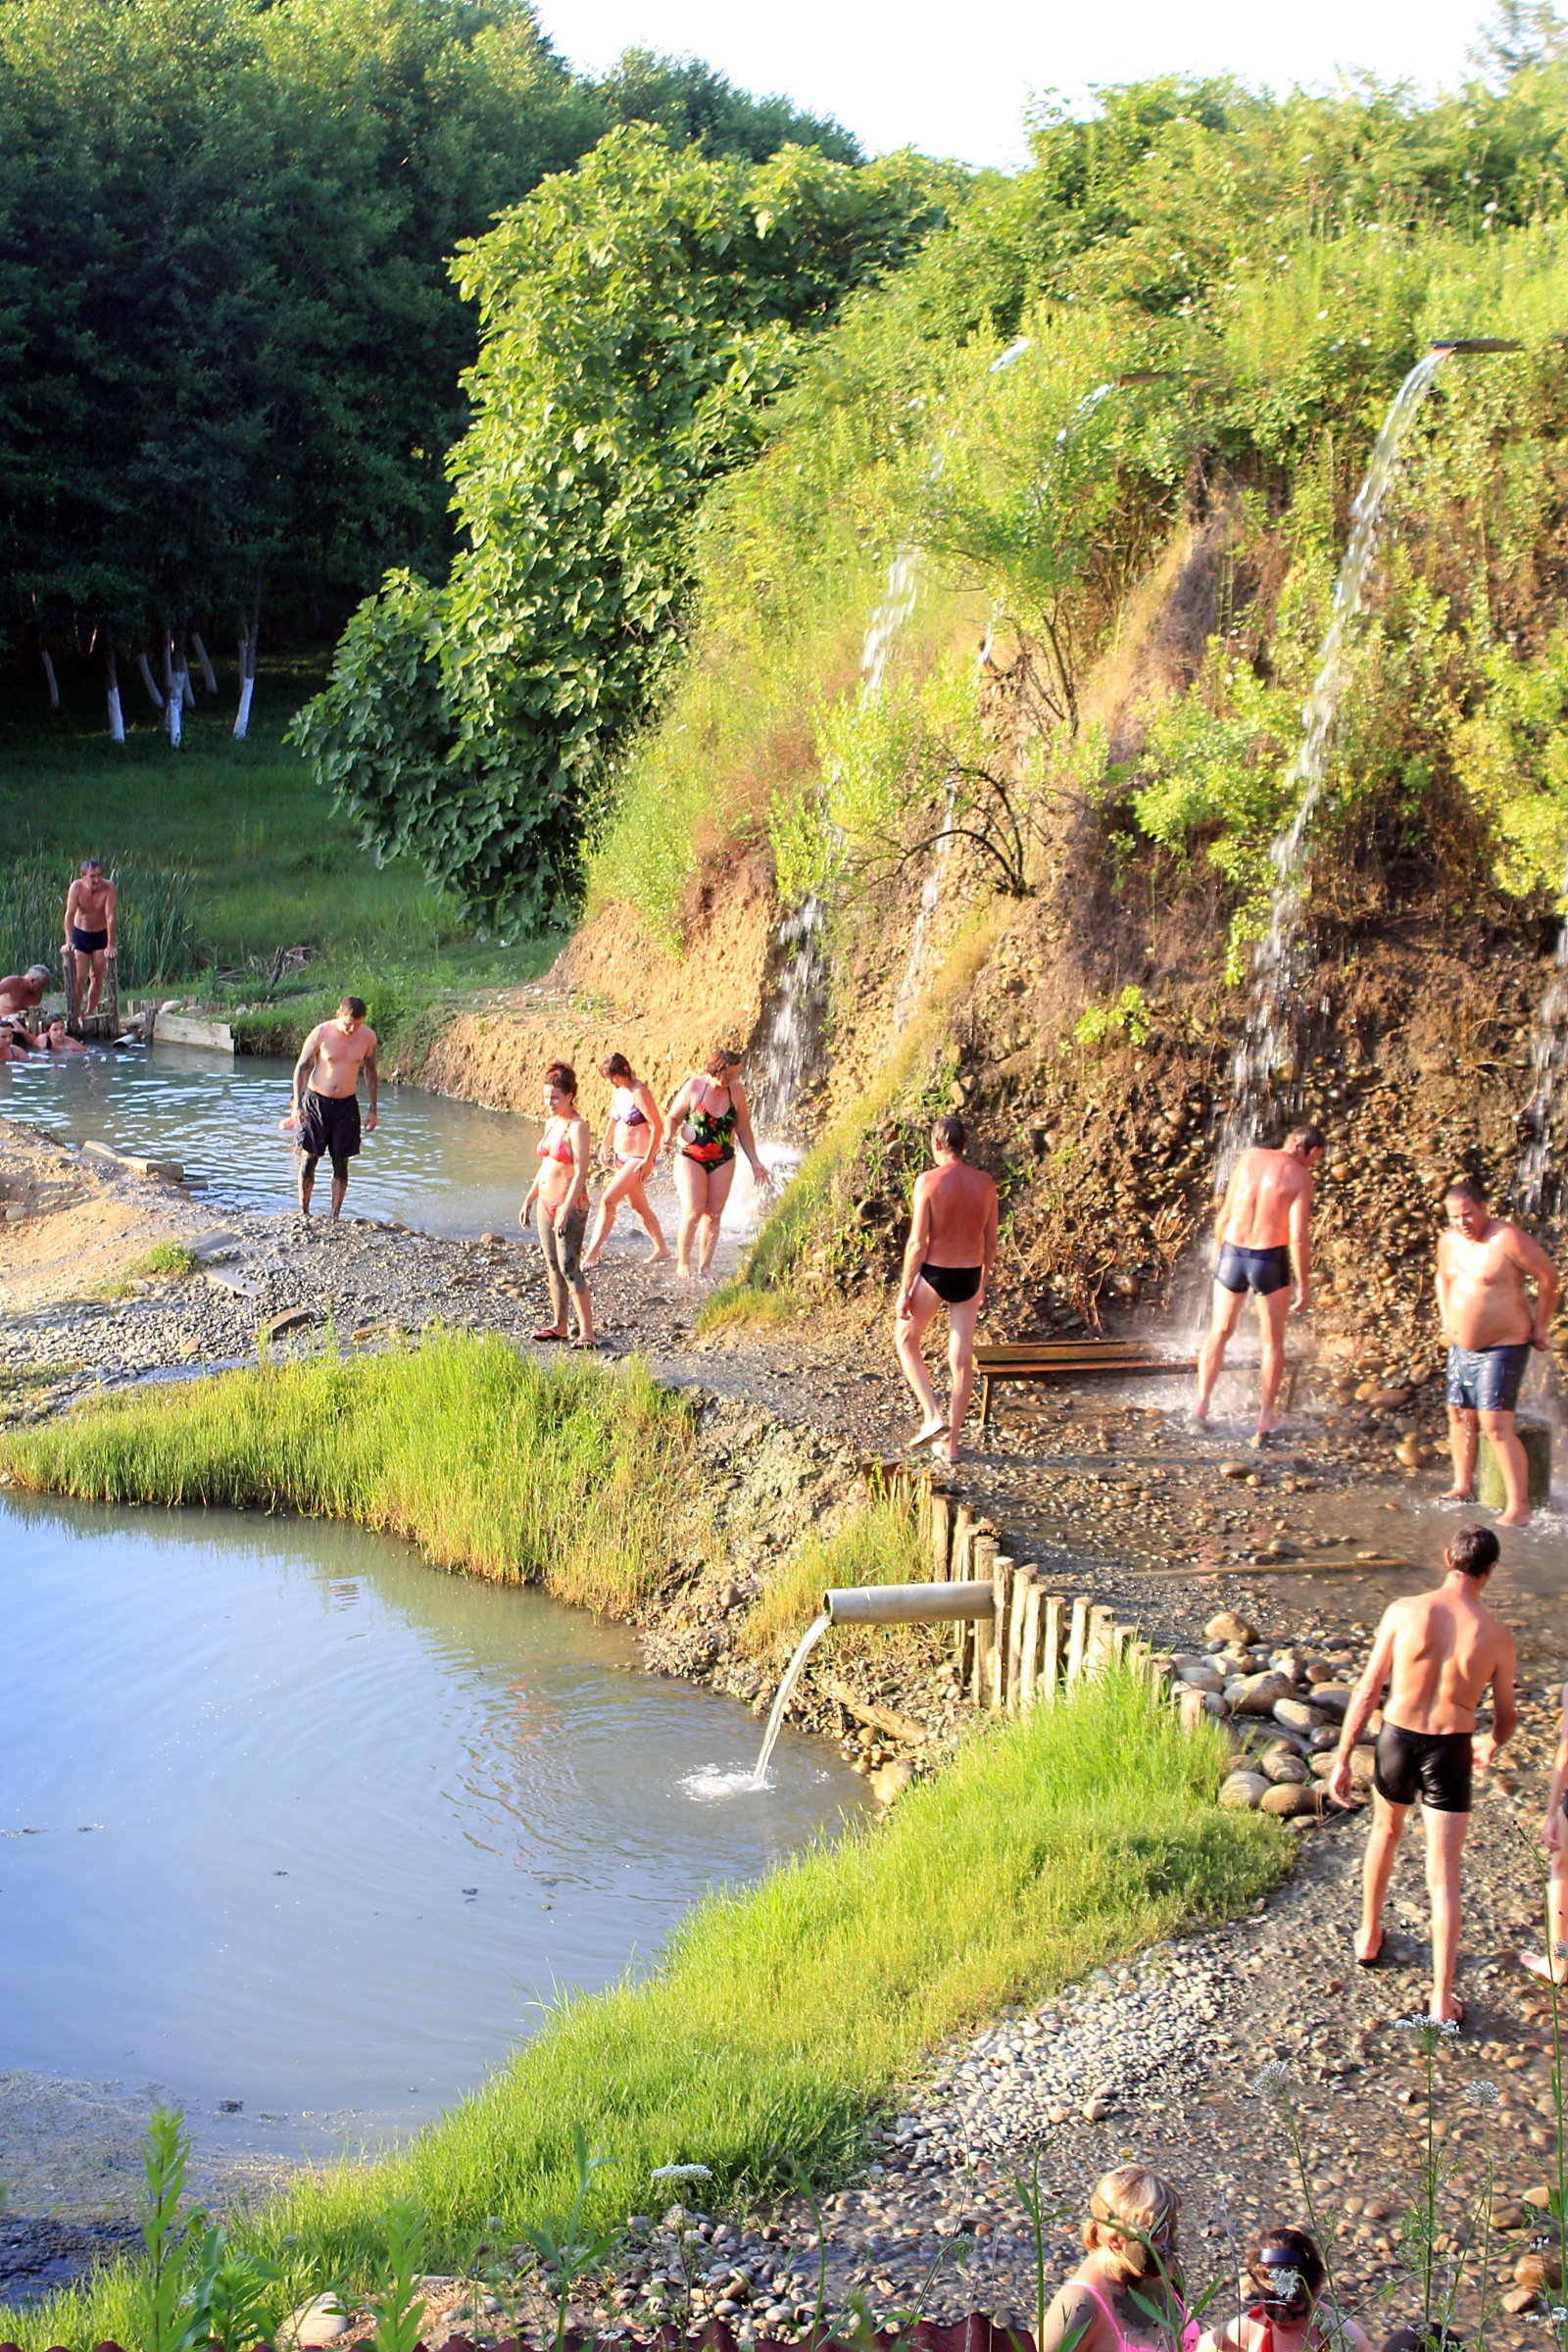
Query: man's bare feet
point(683, 1273)
point(1268, 1424)
point(927, 1431)
point(1457, 1495)
point(654, 1257)
point(1513, 1518)
point(1197, 1414)
point(1450, 2013)
point(948, 1447)
point(1538, 1965)
point(589, 1263)
point(1365, 1956)
point(552, 1330)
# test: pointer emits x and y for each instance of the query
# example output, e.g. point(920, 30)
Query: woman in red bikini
point(559, 1199)
point(1285, 2272)
point(1129, 2265)
point(705, 1117)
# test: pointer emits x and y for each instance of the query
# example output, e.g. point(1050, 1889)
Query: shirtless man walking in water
point(1438, 1652)
point(1264, 1228)
point(326, 1108)
point(1483, 1266)
point(950, 1252)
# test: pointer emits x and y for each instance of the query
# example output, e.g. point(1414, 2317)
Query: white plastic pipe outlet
point(906, 1604)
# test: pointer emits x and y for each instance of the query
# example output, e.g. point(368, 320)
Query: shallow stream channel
point(305, 1832)
point(435, 1163)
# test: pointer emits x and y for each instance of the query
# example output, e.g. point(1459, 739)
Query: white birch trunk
point(175, 713)
point(242, 716)
point(173, 694)
point(49, 673)
point(187, 692)
point(208, 678)
point(148, 680)
point(116, 717)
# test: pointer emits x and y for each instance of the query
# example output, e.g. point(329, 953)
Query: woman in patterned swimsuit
point(705, 1117)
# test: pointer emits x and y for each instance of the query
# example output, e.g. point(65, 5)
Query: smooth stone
point(1228, 1627)
point(1257, 1694)
point(1243, 1791)
point(1199, 1678)
point(321, 2321)
point(1288, 1801)
point(1297, 1716)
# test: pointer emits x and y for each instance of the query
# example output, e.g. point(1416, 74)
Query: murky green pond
point(292, 1820)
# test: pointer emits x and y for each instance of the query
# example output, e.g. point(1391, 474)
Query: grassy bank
point(566, 1476)
point(784, 2016)
point(266, 861)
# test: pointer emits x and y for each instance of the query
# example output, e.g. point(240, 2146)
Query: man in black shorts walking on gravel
point(327, 1097)
point(1265, 1234)
point(1438, 1652)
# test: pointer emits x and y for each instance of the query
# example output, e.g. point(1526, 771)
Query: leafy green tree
point(638, 315)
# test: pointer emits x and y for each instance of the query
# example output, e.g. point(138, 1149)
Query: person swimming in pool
point(1265, 1234)
point(950, 1252)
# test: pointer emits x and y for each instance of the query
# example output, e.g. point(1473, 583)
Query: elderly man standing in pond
point(92, 914)
point(1264, 1233)
point(1486, 1266)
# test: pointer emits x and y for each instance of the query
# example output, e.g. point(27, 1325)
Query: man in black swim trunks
point(1265, 1224)
point(92, 914)
point(1439, 1652)
point(326, 1109)
point(953, 1242)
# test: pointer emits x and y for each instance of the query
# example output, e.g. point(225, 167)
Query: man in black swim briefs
point(953, 1242)
point(92, 914)
point(1263, 1225)
point(1439, 1653)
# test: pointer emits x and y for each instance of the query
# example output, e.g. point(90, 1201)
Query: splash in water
point(1264, 1042)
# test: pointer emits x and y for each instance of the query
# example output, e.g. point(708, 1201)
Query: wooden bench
point(1062, 1361)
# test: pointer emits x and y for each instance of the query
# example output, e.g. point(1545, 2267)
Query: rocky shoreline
point(1110, 1492)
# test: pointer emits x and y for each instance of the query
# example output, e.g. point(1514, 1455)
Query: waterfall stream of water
point(1264, 1041)
point(1549, 1052)
point(786, 1692)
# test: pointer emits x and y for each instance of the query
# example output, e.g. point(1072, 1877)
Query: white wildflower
point(1482, 2094)
point(681, 2172)
point(1272, 2080)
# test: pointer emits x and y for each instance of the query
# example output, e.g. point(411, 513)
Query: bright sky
point(954, 80)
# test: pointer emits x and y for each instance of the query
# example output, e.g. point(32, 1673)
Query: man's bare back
point(1444, 1648)
point(960, 1203)
point(1264, 1188)
point(334, 1060)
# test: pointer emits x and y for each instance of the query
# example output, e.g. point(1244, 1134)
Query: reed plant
point(566, 1476)
point(160, 935)
point(879, 1545)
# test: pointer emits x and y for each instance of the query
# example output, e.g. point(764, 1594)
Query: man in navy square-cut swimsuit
point(1265, 1224)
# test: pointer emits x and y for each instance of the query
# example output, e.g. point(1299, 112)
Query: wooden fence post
point(941, 1535)
point(982, 1562)
point(1078, 1637)
point(963, 1570)
point(1002, 1619)
point(1017, 1617)
point(1033, 1608)
point(1102, 1638)
point(1054, 1657)
point(1193, 1710)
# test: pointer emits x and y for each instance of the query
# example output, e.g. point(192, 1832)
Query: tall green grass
point(160, 922)
point(784, 2016)
point(566, 1477)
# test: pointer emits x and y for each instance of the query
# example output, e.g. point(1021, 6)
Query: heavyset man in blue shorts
point(1485, 1266)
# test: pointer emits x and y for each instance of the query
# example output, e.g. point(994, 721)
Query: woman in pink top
point(1128, 2273)
point(1286, 2312)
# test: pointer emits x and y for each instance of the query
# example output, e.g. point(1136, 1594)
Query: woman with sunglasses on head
point(1126, 2293)
point(1288, 2312)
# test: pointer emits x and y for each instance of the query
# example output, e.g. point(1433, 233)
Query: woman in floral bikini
point(704, 1118)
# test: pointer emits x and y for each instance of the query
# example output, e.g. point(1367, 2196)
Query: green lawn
point(275, 865)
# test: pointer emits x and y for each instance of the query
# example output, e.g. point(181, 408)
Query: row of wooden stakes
point(1035, 1641)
